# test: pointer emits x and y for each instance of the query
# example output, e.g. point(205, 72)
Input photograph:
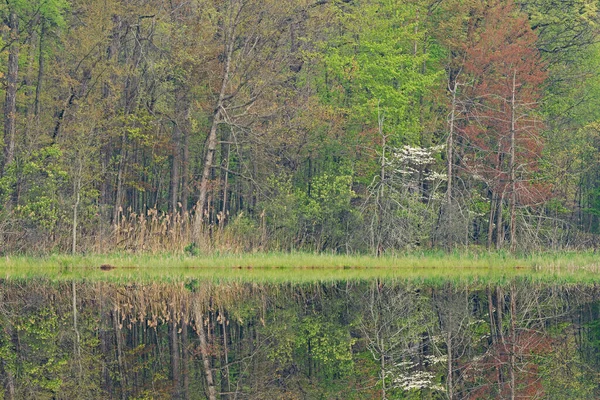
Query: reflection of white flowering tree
point(410, 378)
point(393, 324)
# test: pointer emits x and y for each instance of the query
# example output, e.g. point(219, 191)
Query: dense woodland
point(343, 340)
point(322, 125)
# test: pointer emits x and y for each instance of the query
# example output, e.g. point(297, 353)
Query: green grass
point(577, 267)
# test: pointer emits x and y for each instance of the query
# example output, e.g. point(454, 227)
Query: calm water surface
point(375, 338)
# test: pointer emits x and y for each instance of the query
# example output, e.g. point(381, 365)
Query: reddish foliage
point(502, 61)
point(490, 374)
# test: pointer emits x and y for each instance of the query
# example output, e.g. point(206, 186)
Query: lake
point(299, 334)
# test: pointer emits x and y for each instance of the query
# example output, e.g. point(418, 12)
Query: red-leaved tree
point(503, 132)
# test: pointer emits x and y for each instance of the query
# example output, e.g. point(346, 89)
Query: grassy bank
point(564, 267)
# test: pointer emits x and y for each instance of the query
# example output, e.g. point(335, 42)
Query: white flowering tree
point(406, 194)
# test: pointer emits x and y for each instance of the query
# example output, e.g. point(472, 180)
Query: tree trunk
point(10, 104)
point(9, 377)
point(513, 340)
point(77, 192)
point(175, 166)
point(211, 142)
point(450, 146)
point(499, 312)
point(9, 385)
point(381, 192)
point(185, 372)
point(76, 344)
point(185, 165)
point(38, 88)
point(226, 383)
point(512, 166)
point(212, 393)
point(225, 152)
point(450, 369)
point(500, 223)
point(493, 333)
point(382, 367)
point(120, 361)
point(493, 206)
point(105, 347)
point(175, 370)
point(119, 192)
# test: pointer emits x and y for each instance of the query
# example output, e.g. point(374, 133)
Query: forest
point(343, 126)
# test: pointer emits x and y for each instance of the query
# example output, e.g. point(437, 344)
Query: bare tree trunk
point(9, 377)
point(493, 332)
point(76, 344)
point(450, 378)
point(211, 142)
point(9, 386)
point(493, 206)
point(41, 66)
point(225, 152)
point(119, 195)
point(185, 371)
point(185, 167)
point(120, 361)
point(450, 145)
point(212, 393)
point(226, 381)
point(499, 312)
point(175, 370)
point(176, 158)
point(75, 209)
point(513, 340)
point(106, 384)
point(381, 192)
point(382, 366)
point(10, 104)
point(512, 166)
point(500, 223)
point(31, 44)
point(77, 192)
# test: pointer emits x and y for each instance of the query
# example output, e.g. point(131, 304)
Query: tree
point(250, 54)
point(504, 129)
point(25, 20)
point(378, 71)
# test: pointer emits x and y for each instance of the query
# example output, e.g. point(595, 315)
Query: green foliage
point(244, 230)
point(291, 340)
point(319, 218)
point(564, 374)
point(115, 101)
point(192, 249)
point(38, 360)
point(328, 344)
point(377, 67)
point(44, 177)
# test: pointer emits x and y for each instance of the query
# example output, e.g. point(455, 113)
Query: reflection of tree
point(518, 320)
point(322, 340)
point(393, 322)
point(454, 310)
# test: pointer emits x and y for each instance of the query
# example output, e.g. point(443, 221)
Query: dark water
point(371, 339)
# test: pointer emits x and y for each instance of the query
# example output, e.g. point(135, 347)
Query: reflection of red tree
point(489, 375)
point(503, 132)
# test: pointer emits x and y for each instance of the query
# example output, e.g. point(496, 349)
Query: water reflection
point(376, 339)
